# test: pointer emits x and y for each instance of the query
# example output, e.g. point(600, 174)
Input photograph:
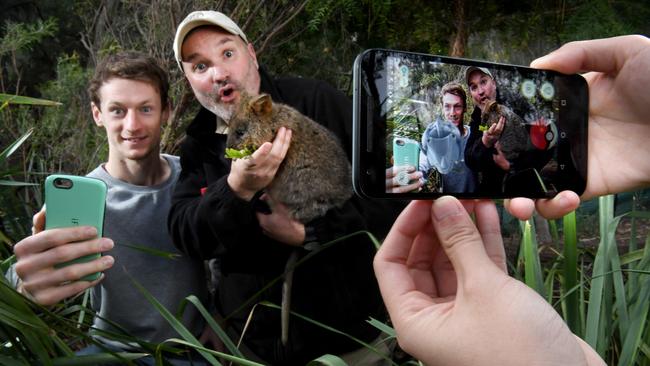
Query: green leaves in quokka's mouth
point(239, 154)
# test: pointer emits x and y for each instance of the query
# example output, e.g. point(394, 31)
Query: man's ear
point(97, 114)
point(165, 114)
point(261, 105)
point(251, 52)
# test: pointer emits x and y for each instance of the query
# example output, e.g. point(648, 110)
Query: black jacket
point(492, 180)
point(336, 286)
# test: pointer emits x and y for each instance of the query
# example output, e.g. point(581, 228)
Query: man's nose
point(131, 122)
point(219, 74)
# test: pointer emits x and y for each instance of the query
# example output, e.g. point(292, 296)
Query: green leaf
point(532, 266)
point(238, 154)
point(97, 359)
point(16, 99)
point(327, 360)
point(382, 326)
point(149, 250)
point(571, 303)
point(13, 147)
point(13, 183)
point(213, 324)
point(175, 323)
point(327, 327)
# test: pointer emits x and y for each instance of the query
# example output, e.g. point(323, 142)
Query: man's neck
point(150, 171)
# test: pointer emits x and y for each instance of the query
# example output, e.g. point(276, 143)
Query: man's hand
point(392, 185)
point(279, 225)
point(38, 254)
point(492, 134)
point(500, 159)
point(250, 175)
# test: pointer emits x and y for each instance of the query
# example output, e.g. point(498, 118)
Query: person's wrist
point(239, 190)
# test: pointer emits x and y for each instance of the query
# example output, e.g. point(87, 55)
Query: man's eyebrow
point(195, 55)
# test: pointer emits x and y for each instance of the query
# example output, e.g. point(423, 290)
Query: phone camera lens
point(63, 183)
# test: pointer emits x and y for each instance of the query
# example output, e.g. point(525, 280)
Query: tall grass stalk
point(572, 300)
point(605, 301)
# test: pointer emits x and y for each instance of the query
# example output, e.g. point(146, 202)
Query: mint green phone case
point(75, 201)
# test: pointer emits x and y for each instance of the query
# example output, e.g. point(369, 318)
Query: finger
point(603, 55)
point(459, 238)
point(420, 262)
point(281, 143)
point(487, 222)
point(390, 261)
point(38, 221)
point(53, 295)
point(259, 154)
point(52, 238)
point(521, 208)
point(560, 205)
point(61, 254)
point(69, 273)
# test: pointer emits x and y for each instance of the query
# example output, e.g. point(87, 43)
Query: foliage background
point(49, 48)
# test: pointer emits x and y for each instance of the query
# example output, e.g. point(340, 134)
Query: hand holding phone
point(72, 201)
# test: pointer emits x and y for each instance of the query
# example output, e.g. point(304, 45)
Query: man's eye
point(146, 109)
point(117, 111)
point(200, 67)
point(228, 54)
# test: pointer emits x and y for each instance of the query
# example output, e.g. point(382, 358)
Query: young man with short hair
point(129, 100)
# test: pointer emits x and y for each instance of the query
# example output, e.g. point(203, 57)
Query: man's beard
point(211, 101)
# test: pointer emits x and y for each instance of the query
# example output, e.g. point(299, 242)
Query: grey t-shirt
point(137, 216)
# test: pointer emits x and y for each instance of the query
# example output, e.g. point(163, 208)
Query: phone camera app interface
point(460, 128)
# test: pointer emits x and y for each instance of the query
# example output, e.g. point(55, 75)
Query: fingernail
point(444, 207)
point(90, 231)
point(107, 261)
point(106, 244)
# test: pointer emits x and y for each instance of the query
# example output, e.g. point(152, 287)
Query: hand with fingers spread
point(616, 72)
point(444, 282)
point(38, 254)
point(250, 175)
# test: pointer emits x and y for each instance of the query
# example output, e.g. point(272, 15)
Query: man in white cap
point(496, 175)
point(218, 209)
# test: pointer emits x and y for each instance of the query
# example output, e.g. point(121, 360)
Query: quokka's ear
point(261, 105)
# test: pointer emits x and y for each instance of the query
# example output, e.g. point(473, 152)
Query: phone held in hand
point(480, 129)
point(75, 201)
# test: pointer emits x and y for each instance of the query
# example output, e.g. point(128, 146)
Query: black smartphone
point(481, 129)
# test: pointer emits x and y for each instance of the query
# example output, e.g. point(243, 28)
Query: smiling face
point(453, 108)
point(219, 67)
point(131, 111)
point(482, 88)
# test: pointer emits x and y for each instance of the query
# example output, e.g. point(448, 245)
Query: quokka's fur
point(315, 174)
point(514, 137)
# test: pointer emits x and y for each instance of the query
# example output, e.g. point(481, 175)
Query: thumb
point(459, 238)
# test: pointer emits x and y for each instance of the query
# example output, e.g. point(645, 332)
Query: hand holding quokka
point(315, 174)
point(514, 137)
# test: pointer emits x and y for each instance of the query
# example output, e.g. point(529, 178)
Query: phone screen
point(479, 129)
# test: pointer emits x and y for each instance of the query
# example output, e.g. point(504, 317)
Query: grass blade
point(571, 303)
point(327, 360)
point(175, 323)
point(532, 266)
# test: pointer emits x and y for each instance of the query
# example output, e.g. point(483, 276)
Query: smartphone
point(75, 201)
point(541, 148)
point(406, 153)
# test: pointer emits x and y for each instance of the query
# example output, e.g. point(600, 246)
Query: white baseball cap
point(471, 69)
point(199, 18)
